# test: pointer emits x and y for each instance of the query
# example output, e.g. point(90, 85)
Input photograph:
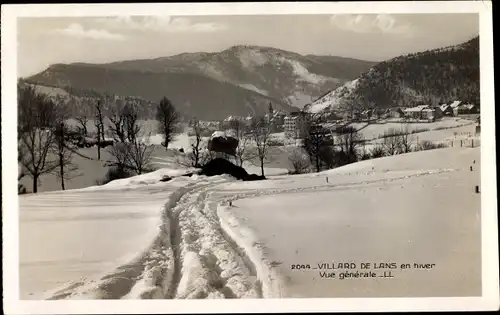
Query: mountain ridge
point(252, 75)
point(431, 77)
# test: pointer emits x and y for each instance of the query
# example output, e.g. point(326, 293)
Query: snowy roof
point(428, 110)
point(470, 106)
point(444, 107)
point(455, 104)
point(232, 118)
point(217, 134)
point(418, 108)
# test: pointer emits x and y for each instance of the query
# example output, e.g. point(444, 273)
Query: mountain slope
point(215, 84)
point(430, 77)
point(194, 95)
point(280, 74)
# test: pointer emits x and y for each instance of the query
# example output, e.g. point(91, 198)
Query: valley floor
point(200, 237)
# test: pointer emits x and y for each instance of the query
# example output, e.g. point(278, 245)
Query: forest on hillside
point(430, 77)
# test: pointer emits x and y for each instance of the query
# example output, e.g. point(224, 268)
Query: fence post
point(461, 143)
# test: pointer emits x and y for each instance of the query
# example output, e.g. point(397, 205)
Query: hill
point(430, 77)
point(237, 81)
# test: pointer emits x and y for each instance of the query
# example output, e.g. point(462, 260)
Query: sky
point(375, 37)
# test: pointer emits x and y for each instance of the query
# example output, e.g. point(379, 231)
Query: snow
point(303, 74)
point(216, 237)
point(401, 209)
point(222, 134)
point(252, 87)
point(332, 99)
point(86, 234)
point(375, 130)
point(251, 58)
point(181, 140)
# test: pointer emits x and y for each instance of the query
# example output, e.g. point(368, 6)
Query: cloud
point(161, 24)
point(380, 23)
point(77, 30)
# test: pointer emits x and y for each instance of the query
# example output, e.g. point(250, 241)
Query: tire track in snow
point(209, 265)
point(172, 215)
point(149, 276)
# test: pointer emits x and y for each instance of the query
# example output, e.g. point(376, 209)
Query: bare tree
point(392, 142)
point(99, 123)
point(120, 155)
point(82, 118)
point(117, 122)
point(300, 161)
point(348, 141)
point(196, 144)
point(315, 141)
point(139, 154)
point(242, 134)
point(64, 150)
point(260, 133)
point(131, 116)
point(167, 118)
point(406, 141)
point(37, 116)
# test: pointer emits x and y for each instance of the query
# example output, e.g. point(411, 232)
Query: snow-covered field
point(414, 208)
point(374, 131)
point(141, 238)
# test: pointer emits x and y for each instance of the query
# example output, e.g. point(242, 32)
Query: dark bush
point(221, 166)
point(254, 177)
point(165, 178)
point(428, 145)
point(21, 190)
point(114, 173)
point(365, 156)
point(377, 152)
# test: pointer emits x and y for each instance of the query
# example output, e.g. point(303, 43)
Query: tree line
point(430, 77)
point(326, 149)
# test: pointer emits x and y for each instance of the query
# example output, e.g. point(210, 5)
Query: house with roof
point(432, 113)
point(415, 112)
point(455, 104)
point(367, 114)
point(473, 109)
point(461, 109)
point(394, 112)
point(446, 109)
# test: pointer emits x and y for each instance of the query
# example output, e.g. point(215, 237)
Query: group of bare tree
point(44, 137)
point(327, 148)
point(132, 149)
point(397, 142)
point(43, 147)
point(252, 138)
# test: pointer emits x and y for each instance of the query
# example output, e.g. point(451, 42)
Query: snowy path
point(190, 255)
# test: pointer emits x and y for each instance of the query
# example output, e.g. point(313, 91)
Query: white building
point(294, 125)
